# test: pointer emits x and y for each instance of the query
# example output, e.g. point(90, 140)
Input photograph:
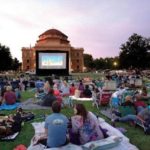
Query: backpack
point(27, 116)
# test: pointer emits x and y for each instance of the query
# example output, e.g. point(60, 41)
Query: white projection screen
point(52, 60)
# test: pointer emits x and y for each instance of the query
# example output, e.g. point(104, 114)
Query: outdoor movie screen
point(52, 60)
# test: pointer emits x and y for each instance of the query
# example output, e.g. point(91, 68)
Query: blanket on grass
point(108, 113)
point(80, 99)
point(109, 142)
point(30, 104)
point(9, 107)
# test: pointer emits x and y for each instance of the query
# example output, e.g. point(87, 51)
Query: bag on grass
point(27, 116)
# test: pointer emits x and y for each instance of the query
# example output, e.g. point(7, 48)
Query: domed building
point(53, 40)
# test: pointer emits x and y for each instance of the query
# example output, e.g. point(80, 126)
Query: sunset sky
point(99, 26)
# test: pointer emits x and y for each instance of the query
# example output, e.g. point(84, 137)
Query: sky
point(99, 26)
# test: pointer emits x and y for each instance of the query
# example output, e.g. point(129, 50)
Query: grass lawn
point(136, 135)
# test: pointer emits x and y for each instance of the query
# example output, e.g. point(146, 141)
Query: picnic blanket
point(124, 144)
point(80, 99)
point(108, 113)
point(30, 104)
point(9, 107)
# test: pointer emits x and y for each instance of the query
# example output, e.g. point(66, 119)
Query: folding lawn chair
point(105, 98)
point(95, 102)
point(140, 122)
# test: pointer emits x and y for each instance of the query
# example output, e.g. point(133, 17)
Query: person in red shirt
point(139, 104)
point(72, 89)
point(9, 96)
point(57, 94)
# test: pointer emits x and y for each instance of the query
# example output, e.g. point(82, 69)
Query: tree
point(5, 58)
point(15, 64)
point(134, 53)
point(88, 61)
point(99, 63)
point(6, 61)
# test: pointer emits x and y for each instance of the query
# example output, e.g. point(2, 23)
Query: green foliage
point(100, 63)
point(15, 64)
point(6, 60)
point(134, 53)
point(88, 61)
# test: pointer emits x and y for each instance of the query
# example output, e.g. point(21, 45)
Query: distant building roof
point(54, 32)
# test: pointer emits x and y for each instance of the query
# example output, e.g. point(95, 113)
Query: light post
point(115, 64)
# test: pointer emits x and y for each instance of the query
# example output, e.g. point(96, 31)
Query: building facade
point(53, 40)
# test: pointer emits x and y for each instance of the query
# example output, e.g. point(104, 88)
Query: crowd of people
point(83, 126)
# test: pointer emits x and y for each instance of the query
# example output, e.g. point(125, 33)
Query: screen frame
point(52, 71)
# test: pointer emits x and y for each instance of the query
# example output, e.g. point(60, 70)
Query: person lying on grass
point(142, 116)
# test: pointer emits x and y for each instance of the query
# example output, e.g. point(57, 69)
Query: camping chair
point(105, 98)
point(100, 84)
point(114, 103)
point(65, 100)
point(140, 122)
point(95, 101)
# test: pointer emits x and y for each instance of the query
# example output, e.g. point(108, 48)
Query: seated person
point(126, 108)
point(57, 94)
point(65, 89)
point(56, 91)
point(144, 91)
point(128, 101)
point(81, 86)
point(143, 115)
point(87, 92)
point(114, 101)
point(18, 94)
point(85, 124)
point(48, 99)
point(10, 124)
point(72, 89)
point(46, 87)
point(139, 104)
point(9, 96)
point(55, 128)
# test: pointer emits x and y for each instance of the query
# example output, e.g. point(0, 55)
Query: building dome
point(53, 32)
